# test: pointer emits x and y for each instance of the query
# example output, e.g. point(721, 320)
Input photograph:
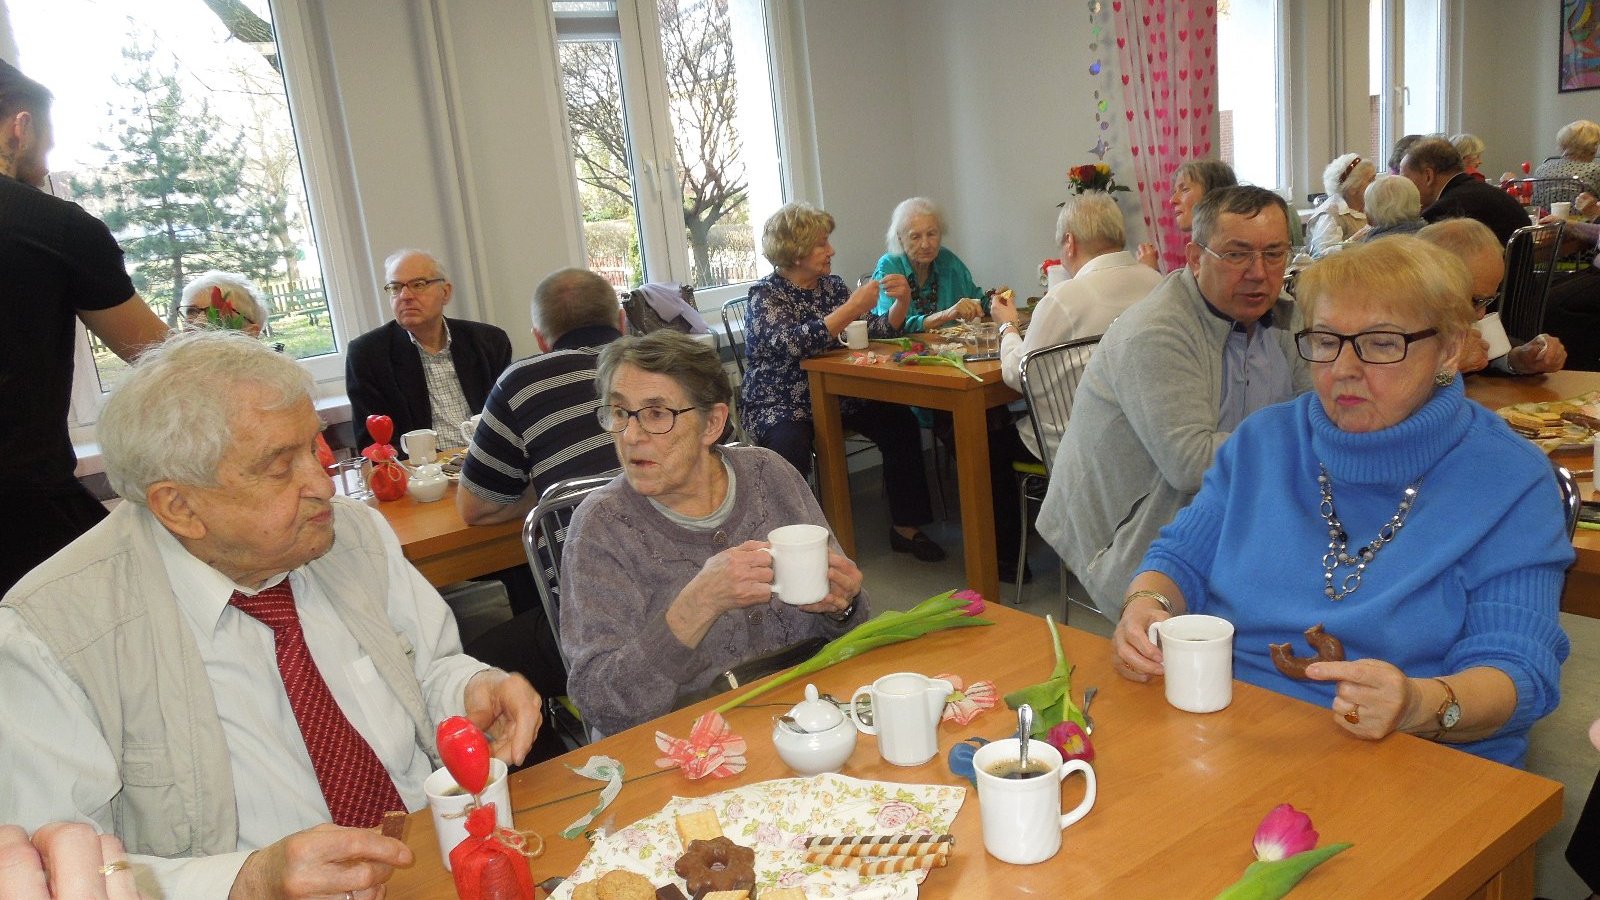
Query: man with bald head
point(1448, 192)
point(236, 672)
point(422, 370)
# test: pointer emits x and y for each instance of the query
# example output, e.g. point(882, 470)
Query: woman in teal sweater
point(941, 288)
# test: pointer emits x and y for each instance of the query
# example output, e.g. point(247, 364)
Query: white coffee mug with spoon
point(1021, 810)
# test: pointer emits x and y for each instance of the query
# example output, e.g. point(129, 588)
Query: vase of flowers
point(1093, 177)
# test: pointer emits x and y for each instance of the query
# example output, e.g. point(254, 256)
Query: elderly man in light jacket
point(236, 672)
point(1173, 376)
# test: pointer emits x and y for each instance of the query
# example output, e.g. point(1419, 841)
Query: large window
point(171, 124)
point(1406, 46)
point(1250, 106)
point(674, 137)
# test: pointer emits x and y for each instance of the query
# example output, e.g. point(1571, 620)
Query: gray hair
point(1434, 153)
point(1346, 171)
point(1206, 174)
point(1242, 200)
point(569, 299)
point(1464, 237)
point(1579, 139)
point(901, 220)
point(395, 258)
point(1392, 199)
point(1401, 146)
point(172, 418)
point(236, 289)
point(1092, 217)
point(1468, 145)
point(692, 364)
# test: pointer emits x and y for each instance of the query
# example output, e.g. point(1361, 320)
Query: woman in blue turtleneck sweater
point(1450, 629)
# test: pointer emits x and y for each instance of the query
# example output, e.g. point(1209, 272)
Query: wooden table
point(444, 548)
point(931, 387)
point(1180, 795)
point(1582, 593)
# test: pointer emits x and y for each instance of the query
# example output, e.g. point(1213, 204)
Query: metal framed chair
point(1050, 377)
point(544, 532)
point(1571, 496)
point(736, 310)
point(1530, 261)
point(1553, 190)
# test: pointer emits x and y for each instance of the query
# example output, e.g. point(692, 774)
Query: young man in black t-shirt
point(60, 263)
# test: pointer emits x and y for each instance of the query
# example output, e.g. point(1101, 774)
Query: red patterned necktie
point(353, 781)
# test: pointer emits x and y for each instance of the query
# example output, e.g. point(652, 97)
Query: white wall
point(981, 106)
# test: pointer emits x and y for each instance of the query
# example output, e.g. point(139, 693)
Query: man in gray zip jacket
point(1173, 376)
point(236, 672)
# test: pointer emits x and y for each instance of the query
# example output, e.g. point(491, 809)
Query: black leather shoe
point(919, 545)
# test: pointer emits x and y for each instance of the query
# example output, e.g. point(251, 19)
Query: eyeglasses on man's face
point(1378, 347)
point(394, 288)
point(1241, 259)
point(1480, 304)
point(653, 419)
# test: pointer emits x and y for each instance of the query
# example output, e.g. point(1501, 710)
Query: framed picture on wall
point(1579, 65)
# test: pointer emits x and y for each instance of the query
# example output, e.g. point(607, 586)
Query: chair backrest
point(1554, 190)
point(1571, 497)
point(1530, 261)
point(1050, 377)
point(734, 311)
point(544, 532)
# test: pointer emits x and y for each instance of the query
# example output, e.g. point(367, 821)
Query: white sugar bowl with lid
point(428, 483)
point(821, 739)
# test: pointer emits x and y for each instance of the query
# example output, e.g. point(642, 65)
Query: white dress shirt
point(275, 785)
point(1082, 306)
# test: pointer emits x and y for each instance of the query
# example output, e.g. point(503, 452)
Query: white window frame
point(330, 188)
point(657, 194)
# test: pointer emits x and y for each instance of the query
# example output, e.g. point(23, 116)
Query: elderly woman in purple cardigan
point(665, 583)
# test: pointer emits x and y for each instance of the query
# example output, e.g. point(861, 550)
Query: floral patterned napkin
point(775, 818)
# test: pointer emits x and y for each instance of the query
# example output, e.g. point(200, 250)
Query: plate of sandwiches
point(1557, 424)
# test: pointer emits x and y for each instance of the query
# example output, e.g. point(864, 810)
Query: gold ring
point(116, 865)
point(1353, 716)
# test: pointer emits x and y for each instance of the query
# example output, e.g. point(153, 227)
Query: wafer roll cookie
point(890, 865)
point(878, 844)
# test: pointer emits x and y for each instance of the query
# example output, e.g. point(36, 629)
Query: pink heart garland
point(1208, 56)
point(1135, 151)
point(1124, 84)
point(1204, 127)
point(1117, 5)
point(1210, 10)
point(1121, 43)
point(1208, 147)
point(1130, 119)
point(1182, 114)
point(1160, 17)
point(1141, 187)
point(1182, 151)
point(1183, 75)
point(1183, 35)
point(1147, 25)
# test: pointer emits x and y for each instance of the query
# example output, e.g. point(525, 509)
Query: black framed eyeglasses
point(653, 419)
point(1241, 259)
point(1377, 347)
point(394, 288)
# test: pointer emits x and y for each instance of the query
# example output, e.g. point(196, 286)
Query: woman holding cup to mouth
point(1407, 520)
point(667, 577)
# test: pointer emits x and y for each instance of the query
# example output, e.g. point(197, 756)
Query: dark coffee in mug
point(1012, 770)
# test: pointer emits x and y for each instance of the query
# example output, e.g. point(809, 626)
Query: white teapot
point(427, 483)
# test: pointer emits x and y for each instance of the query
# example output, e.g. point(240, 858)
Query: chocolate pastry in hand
point(1328, 647)
point(717, 865)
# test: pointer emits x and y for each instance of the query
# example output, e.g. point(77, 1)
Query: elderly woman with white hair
point(938, 285)
point(1578, 142)
point(223, 300)
point(1343, 213)
point(1393, 206)
point(1471, 148)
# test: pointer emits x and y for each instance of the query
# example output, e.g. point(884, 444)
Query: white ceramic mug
point(906, 708)
point(422, 445)
point(469, 428)
point(1197, 654)
point(1561, 209)
point(855, 335)
point(1022, 819)
point(448, 803)
point(799, 563)
point(1490, 329)
point(1054, 276)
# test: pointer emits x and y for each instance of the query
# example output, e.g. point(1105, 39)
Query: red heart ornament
point(465, 752)
point(1122, 42)
point(1135, 150)
point(381, 428)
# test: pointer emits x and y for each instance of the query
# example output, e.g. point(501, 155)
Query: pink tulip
point(974, 602)
point(1070, 739)
point(1283, 833)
